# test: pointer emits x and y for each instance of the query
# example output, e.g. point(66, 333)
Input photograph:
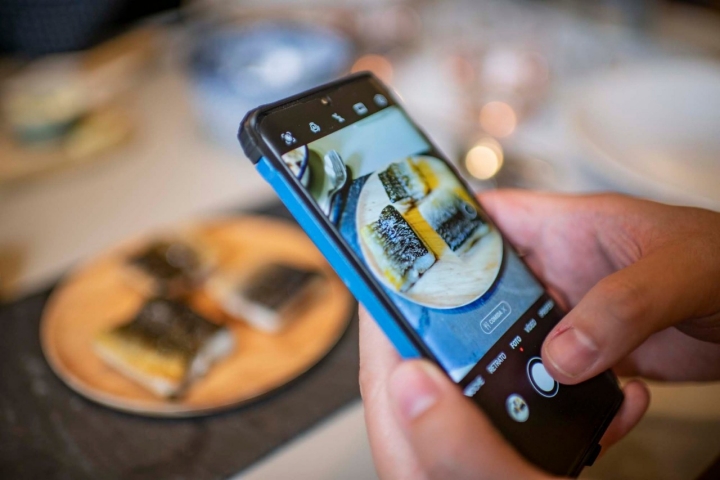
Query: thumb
point(449, 435)
point(622, 310)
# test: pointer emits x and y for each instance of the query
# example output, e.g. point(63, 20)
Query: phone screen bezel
point(254, 123)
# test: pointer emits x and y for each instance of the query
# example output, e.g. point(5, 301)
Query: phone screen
point(405, 212)
point(462, 291)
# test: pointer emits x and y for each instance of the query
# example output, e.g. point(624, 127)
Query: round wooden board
point(98, 297)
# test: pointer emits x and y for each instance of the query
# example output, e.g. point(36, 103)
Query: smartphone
point(412, 243)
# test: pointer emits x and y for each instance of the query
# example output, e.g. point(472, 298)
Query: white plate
point(654, 130)
point(454, 280)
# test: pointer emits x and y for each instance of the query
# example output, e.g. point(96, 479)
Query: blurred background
point(118, 117)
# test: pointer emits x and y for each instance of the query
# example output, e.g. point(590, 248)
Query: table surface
point(48, 431)
point(170, 174)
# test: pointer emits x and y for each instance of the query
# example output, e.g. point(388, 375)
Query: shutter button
point(540, 379)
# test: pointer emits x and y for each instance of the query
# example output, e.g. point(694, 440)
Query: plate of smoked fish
point(195, 320)
point(424, 235)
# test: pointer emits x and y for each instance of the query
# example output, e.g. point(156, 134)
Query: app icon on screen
point(517, 408)
point(288, 138)
point(360, 108)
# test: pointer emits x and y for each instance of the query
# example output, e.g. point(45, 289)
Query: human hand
point(572, 243)
point(421, 426)
point(642, 278)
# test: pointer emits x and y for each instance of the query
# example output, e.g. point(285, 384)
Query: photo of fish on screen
point(421, 233)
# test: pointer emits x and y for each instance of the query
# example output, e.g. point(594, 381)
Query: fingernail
point(572, 352)
point(414, 388)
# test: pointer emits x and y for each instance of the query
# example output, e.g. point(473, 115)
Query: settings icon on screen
point(288, 138)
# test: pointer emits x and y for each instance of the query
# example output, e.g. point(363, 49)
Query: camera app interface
point(420, 232)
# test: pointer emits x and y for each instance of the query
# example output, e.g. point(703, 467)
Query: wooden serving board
point(98, 296)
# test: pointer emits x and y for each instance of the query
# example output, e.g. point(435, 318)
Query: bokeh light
point(485, 159)
point(377, 64)
point(461, 70)
point(498, 119)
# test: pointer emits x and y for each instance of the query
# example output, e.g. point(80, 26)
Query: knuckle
point(626, 301)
